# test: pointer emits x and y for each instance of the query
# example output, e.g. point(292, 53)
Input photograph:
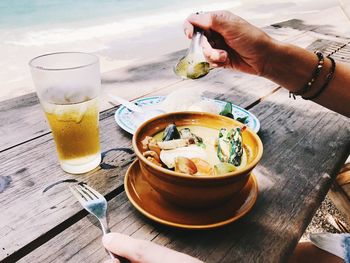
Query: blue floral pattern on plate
point(126, 120)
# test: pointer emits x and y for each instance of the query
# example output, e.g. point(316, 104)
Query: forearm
point(292, 67)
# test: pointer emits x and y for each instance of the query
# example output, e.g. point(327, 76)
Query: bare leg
point(306, 252)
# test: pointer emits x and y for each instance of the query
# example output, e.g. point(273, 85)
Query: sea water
point(42, 22)
point(24, 13)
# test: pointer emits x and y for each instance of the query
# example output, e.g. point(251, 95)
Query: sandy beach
point(129, 41)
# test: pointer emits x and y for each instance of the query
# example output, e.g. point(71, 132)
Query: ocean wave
point(129, 27)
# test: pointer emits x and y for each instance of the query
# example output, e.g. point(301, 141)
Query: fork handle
point(104, 225)
point(106, 230)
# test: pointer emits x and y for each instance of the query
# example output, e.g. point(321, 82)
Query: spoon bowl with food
point(193, 65)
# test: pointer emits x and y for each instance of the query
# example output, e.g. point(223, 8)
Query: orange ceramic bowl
point(188, 190)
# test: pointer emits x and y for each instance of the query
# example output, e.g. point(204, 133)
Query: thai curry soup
point(197, 150)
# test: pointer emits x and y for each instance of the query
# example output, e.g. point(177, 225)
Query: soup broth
point(209, 136)
point(198, 150)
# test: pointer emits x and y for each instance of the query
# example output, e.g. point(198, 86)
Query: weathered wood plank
point(33, 166)
point(335, 24)
point(304, 147)
point(21, 119)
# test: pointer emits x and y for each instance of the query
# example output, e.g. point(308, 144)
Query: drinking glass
point(68, 85)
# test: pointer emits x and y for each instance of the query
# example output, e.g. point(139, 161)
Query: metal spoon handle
point(126, 103)
point(196, 41)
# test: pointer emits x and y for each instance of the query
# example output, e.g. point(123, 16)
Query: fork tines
point(83, 192)
point(342, 226)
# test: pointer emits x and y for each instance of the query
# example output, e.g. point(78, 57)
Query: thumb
point(143, 251)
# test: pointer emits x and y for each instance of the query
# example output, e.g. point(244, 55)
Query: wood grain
point(304, 147)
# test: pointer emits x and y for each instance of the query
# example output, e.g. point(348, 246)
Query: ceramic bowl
point(195, 191)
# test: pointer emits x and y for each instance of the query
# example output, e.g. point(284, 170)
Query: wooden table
point(304, 147)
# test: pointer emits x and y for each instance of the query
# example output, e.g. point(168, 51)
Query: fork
point(95, 204)
point(337, 224)
point(341, 225)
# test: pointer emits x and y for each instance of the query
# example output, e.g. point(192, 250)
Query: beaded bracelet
point(315, 75)
point(329, 77)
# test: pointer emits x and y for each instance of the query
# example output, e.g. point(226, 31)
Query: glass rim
point(31, 64)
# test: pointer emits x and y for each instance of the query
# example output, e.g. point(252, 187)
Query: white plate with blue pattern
point(126, 119)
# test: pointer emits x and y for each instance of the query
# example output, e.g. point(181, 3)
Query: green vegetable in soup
point(201, 144)
point(230, 148)
point(223, 168)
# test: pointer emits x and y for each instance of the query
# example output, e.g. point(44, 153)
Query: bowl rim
point(237, 173)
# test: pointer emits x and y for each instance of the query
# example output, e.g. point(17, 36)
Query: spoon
point(131, 106)
point(193, 65)
point(140, 113)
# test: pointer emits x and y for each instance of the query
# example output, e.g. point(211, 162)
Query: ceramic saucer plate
point(127, 120)
point(147, 201)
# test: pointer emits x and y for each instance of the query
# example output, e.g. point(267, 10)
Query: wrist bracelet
point(329, 77)
point(315, 75)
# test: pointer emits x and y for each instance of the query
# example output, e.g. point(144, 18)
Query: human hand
point(141, 251)
point(231, 41)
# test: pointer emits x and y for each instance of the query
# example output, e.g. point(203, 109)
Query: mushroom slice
point(192, 151)
point(173, 144)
